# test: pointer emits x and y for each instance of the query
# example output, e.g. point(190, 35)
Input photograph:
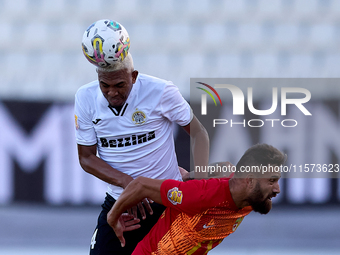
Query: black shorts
point(104, 240)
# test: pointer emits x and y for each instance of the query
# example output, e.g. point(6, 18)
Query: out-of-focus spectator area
point(41, 57)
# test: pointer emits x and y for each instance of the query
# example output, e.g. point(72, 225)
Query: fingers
point(147, 206)
point(186, 177)
point(134, 212)
point(129, 220)
point(127, 217)
point(119, 229)
point(122, 240)
point(141, 210)
point(182, 171)
point(130, 211)
point(133, 227)
point(227, 163)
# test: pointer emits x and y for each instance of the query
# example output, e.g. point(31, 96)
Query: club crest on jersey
point(138, 117)
point(175, 196)
point(237, 223)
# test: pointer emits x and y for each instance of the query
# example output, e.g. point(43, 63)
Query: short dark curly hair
point(260, 155)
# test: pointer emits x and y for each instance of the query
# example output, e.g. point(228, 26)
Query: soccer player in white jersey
point(127, 118)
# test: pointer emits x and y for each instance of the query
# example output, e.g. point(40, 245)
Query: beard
point(258, 203)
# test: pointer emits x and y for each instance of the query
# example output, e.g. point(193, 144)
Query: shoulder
point(217, 182)
point(151, 82)
point(216, 187)
point(149, 79)
point(205, 185)
point(152, 88)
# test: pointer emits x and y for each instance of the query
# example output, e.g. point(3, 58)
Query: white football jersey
point(137, 140)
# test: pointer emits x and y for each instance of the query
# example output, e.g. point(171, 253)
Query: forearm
point(135, 192)
point(200, 151)
point(99, 168)
point(199, 139)
point(200, 148)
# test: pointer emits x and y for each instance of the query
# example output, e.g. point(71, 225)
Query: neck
point(238, 192)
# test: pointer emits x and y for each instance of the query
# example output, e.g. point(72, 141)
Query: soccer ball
point(105, 42)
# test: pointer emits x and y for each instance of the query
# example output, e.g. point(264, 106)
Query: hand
point(223, 174)
point(125, 223)
point(184, 173)
point(133, 211)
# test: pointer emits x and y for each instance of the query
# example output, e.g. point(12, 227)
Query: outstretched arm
point(135, 192)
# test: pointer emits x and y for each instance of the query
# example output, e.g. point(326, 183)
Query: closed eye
point(120, 85)
point(104, 85)
point(273, 180)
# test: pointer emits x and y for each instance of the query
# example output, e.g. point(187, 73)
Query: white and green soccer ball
point(105, 42)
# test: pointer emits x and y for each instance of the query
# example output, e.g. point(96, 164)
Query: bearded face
point(260, 200)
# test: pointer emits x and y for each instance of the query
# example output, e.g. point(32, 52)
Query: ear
point(250, 180)
point(134, 76)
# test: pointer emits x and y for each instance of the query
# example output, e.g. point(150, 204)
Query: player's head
point(259, 168)
point(116, 85)
point(106, 45)
point(259, 155)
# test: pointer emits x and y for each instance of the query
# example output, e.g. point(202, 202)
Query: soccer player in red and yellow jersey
point(201, 213)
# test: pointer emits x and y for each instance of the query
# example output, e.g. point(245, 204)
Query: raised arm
point(135, 192)
point(199, 145)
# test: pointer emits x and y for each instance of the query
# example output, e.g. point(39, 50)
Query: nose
point(112, 92)
point(276, 188)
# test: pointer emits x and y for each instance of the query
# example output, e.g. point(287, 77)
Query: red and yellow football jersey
point(199, 215)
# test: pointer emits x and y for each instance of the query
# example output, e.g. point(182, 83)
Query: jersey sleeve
point(85, 133)
point(175, 107)
point(193, 196)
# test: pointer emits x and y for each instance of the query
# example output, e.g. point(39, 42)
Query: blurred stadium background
point(49, 205)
